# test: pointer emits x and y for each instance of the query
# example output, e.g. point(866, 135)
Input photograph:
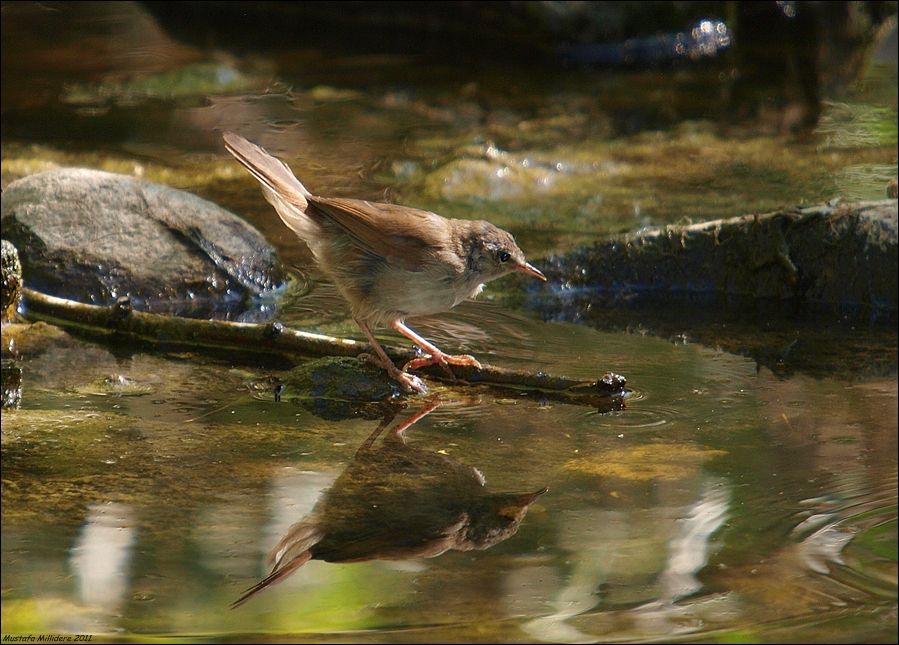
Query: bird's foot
point(409, 382)
point(444, 361)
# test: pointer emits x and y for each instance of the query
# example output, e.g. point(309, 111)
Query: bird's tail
point(292, 552)
point(279, 185)
point(273, 578)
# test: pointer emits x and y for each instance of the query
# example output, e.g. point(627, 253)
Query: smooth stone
point(94, 236)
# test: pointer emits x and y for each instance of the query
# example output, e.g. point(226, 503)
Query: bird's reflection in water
point(396, 502)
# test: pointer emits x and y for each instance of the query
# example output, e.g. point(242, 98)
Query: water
point(746, 493)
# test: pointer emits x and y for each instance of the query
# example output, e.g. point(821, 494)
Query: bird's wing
point(397, 538)
point(405, 236)
point(299, 538)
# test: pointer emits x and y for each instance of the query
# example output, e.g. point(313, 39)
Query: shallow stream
point(747, 492)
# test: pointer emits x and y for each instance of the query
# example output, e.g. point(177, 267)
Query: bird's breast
point(416, 293)
point(380, 290)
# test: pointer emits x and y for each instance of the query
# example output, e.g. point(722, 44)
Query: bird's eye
point(504, 256)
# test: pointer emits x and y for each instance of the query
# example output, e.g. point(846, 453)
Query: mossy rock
point(341, 387)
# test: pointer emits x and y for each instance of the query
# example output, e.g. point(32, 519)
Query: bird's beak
point(531, 270)
point(517, 503)
point(528, 498)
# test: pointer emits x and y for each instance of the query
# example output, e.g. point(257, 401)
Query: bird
point(388, 261)
point(398, 502)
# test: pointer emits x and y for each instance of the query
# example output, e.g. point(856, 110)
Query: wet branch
point(276, 339)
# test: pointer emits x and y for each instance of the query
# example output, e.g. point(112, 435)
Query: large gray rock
point(95, 236)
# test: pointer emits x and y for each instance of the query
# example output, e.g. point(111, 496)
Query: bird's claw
point(409, 382)
point(444, 361)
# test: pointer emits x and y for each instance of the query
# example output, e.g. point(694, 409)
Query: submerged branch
point(276, 339)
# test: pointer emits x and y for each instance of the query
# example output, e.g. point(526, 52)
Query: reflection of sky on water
point(102, 554)
point(608, 558)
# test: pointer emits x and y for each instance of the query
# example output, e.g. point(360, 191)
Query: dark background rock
point(843, 255)
point(811, 290)
point(513, 31)
point(779, 55)
point(94, 237)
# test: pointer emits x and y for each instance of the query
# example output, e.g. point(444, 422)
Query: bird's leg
point(435, 355)
point(397, 433)
point(370, 441)
point(409, 382)
point(400, 428)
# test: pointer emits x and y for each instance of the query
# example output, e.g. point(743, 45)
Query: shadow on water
point(782, 336)
point(398, 502)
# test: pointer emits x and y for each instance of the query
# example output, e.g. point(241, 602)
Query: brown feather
point(274, 578)
point(407, 237)
point(270, 171)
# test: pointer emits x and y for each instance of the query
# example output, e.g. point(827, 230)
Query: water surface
point(746, 493)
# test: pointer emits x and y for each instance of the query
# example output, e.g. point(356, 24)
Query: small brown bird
point(389, 262)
